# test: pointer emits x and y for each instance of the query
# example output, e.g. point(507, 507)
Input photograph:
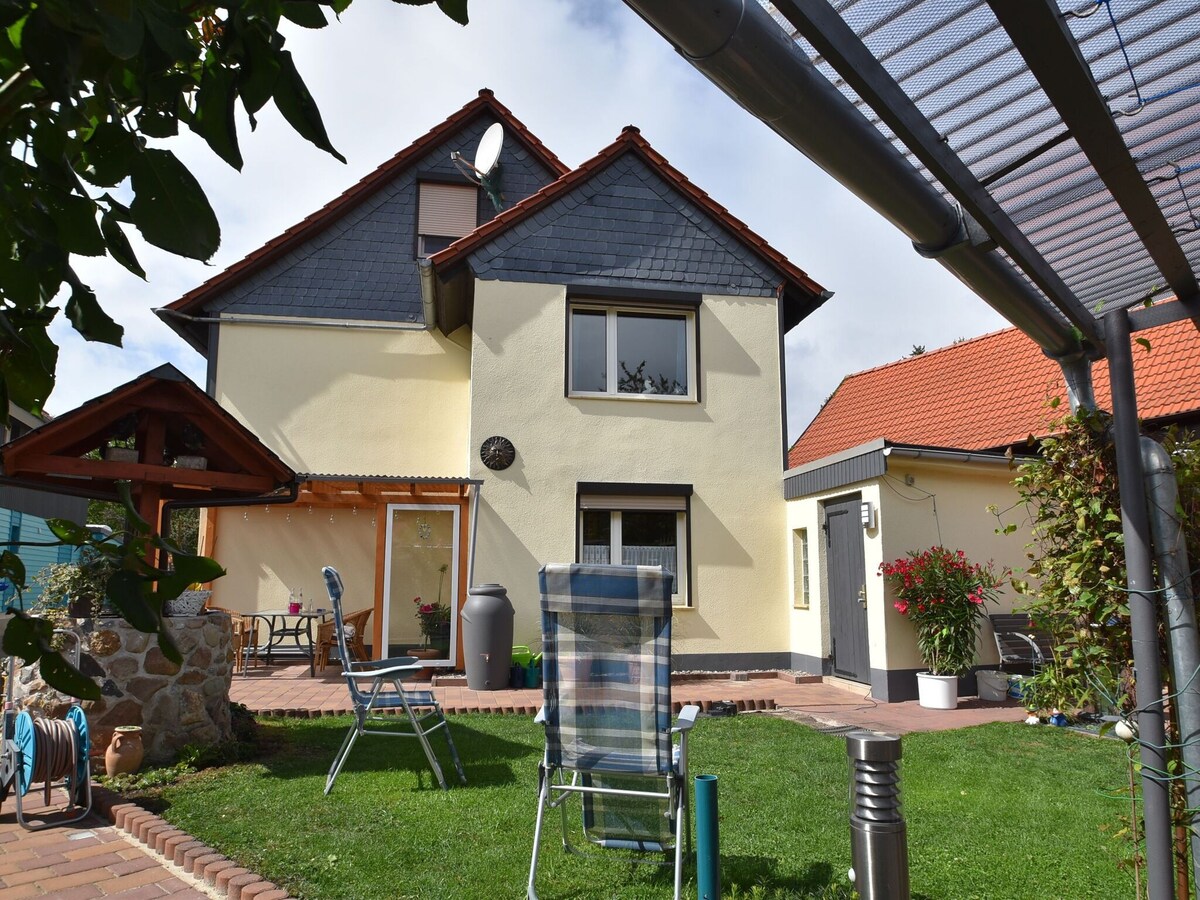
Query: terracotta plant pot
point(425, 653)
point(125, 751)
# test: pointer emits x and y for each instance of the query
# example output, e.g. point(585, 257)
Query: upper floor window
point(445, 213)
point(632, 351)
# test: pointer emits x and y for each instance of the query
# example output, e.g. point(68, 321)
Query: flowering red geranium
point(943, 594)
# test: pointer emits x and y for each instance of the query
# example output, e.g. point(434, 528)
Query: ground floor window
point(641, 529)
point(800, 597)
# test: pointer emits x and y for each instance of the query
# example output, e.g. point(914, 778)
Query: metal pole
point(1156, 801)
point(878, 835)
point(708, 839)
point(1179, 612)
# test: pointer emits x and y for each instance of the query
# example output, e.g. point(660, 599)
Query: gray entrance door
point(847, 588)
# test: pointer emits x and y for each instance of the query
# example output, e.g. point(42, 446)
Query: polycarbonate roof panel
point(960, 68)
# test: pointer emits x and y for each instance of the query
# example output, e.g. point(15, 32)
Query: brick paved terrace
point(288, 690)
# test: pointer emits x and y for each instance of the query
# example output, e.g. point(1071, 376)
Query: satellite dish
point(485, 171)
point(488, 153)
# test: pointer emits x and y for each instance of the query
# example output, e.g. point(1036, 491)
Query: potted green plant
point(434, 619)
point(944, 595)
point(75, 589)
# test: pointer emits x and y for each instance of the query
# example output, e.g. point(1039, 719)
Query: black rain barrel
point(487, 619)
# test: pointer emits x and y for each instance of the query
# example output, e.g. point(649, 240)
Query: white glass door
point(420, 582)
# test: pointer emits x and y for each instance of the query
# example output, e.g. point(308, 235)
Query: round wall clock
point(497, 452)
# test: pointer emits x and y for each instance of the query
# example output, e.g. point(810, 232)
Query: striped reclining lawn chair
point(606, 667)
point(384, 691)
point(1018, 644)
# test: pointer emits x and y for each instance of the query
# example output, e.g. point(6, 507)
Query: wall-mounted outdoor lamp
point(868, 514)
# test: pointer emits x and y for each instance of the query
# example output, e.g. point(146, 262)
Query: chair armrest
point(390, 661)
point(379, 671)
point(1034, 649)
point(686, 719)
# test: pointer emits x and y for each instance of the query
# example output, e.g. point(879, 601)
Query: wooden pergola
point(374, 494)
point(162, 434)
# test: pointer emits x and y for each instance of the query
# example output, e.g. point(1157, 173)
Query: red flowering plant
point(943, 594)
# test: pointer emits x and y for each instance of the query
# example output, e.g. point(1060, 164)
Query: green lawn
point(999, 811)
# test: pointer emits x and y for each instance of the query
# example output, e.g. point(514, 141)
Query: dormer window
point(445, 213)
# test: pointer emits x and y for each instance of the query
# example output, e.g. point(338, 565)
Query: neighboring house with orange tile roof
point(476, 392)
point(914, 452)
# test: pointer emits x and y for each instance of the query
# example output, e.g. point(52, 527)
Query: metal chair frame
point(556, 787)
point(413, 709)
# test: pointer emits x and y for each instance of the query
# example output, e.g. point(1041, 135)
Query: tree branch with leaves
point(90, 90)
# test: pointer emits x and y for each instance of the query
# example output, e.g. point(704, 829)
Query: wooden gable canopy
point(179, 445)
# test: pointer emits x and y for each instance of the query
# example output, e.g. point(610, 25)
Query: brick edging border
point(742, 704)
point(180, 848)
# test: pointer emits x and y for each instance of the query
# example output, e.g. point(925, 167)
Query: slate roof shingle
point(360, 227)
point(796, 283)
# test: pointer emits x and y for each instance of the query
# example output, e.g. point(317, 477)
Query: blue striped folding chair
point(376, 687)
point(606, 669)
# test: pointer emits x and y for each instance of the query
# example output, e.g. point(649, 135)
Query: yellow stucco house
point(913, 454)
point(592, 371)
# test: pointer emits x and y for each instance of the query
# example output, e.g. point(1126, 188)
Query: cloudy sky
point(575, 72)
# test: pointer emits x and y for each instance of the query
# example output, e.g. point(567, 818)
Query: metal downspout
point(428, 293)
point(474, 532)
point(1183, 642)
point(741, 49)
point(1077, 373)
point(1143, 614)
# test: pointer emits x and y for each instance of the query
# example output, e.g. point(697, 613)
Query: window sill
point(636, 398)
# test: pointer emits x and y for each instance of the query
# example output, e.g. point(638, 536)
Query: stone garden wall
point(175, 705)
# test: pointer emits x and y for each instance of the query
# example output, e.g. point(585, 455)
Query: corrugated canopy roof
point(979, 83)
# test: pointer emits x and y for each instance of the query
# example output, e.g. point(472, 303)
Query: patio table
point(279, 631)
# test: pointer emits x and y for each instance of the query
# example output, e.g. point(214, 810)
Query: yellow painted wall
point(962, 493)
point(905, 520)
point(349, 400)
point(729, 446)
point(268, 553)
point(809, 628)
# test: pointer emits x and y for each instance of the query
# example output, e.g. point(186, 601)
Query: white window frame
point(801, 595)
point(616, 505)
point(610, 341)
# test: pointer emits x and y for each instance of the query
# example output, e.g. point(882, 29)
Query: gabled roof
point(194, 300)
point(797, 287)
point(177, 419)
point(991, 392)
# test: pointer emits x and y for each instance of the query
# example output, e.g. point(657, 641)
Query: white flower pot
point(937, 691)
point(993, 685)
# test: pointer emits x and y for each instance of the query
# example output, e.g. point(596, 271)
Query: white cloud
point(575, 73)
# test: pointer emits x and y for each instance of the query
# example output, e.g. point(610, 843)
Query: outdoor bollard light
point(878, 838)
point(708, 841)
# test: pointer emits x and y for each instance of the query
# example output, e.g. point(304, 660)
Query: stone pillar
point(175, 705)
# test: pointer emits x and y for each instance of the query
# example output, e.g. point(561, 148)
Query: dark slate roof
point(355, 257)
point(629, 218)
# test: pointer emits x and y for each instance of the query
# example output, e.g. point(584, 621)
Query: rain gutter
point(298, 321)
point(959, 456)
point(742, 50)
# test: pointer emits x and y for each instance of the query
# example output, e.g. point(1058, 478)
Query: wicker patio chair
point(245, 637)
point(356, 627)
point(377, 686)
point(606, 667)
